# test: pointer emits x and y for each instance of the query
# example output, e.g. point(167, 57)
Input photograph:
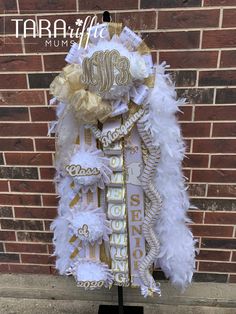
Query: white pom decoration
point(86, 270)
point(90, 158)
point(97, 227)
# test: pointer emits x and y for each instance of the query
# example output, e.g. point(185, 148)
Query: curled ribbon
point(89, 107)
point(67, 82)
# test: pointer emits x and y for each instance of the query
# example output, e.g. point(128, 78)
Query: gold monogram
point(100, 70)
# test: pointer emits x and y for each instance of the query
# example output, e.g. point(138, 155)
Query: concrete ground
point(32, 306)
point(46, 294)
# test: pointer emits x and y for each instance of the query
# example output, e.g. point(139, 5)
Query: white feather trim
point(177, 253)
point(61, 244)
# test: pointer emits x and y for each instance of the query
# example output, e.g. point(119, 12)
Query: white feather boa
point(177, 253)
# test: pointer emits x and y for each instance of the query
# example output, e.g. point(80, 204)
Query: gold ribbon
point(89, 107)
point(67, 82)
point(74, 253)
point(114, 29)
point(74, 201)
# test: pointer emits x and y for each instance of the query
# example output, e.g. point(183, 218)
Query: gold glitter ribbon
point(74, 201)
point(89, 107)
point(114, 29)
point(67, 82)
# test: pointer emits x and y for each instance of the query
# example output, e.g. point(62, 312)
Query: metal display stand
point(120, 308)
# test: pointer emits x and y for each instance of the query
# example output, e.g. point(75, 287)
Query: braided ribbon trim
point(152, 211)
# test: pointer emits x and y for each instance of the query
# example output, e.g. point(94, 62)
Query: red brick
point(23, 129)
point(223, 161)
point(47, 144)
point(197, 189)
point(7, 236)
point(8, 26)
point(47, 224)
point(186, 174)
point(20, 199)
point(214, 146)
point(31, 269)
point(185, 113)
point(50, 200)
point(147, 4)
point(213, 255)
point(226, 96)
point(217, 267)
point(183, 78)
point(224, 129)
point(14, 114)
point(69, 19)
point(190, 59)
point(188, 19)
point(172, 40)
point(224, 176)
point(47, 173)
point(234, 257)
point(209, 113)
point(229, 18)
point(223, 3)
point(187, 145)
point(195, 216)
point(3, 186)
point(212, 231)
point(195, 129)
point(13, 81)
point(26, 248)
point(4, 268)
point(197, 95)
point(44, 237)
point(32, 186)
point(16, 144)
point(9, 258)
point(220, 218)
point(43, 114)
point(10, 45)
point(38, 45)
point(196, 161)
point(219, 39)
point(218, 78)
point(19, 172)
point(54, 62)
point(232, 279)
point(221, 190)
point(38, 213)
point(20, 63)
point(108, 5)
point(8, 6)
point(42, 6)
point(143, 20)
point(40, 159)
point(228, 59)
point(50, 248)
point(22, 98)
point(13, 224)
point(36, 259)
point(219, 243)
point(41, 80)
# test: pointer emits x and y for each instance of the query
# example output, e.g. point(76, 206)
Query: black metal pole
point(120, 300)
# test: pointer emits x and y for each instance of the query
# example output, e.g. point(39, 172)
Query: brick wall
point(198, 39)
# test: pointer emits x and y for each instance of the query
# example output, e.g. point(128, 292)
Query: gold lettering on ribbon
point(100, 70)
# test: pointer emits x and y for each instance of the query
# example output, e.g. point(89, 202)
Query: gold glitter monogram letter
point(104, 69)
